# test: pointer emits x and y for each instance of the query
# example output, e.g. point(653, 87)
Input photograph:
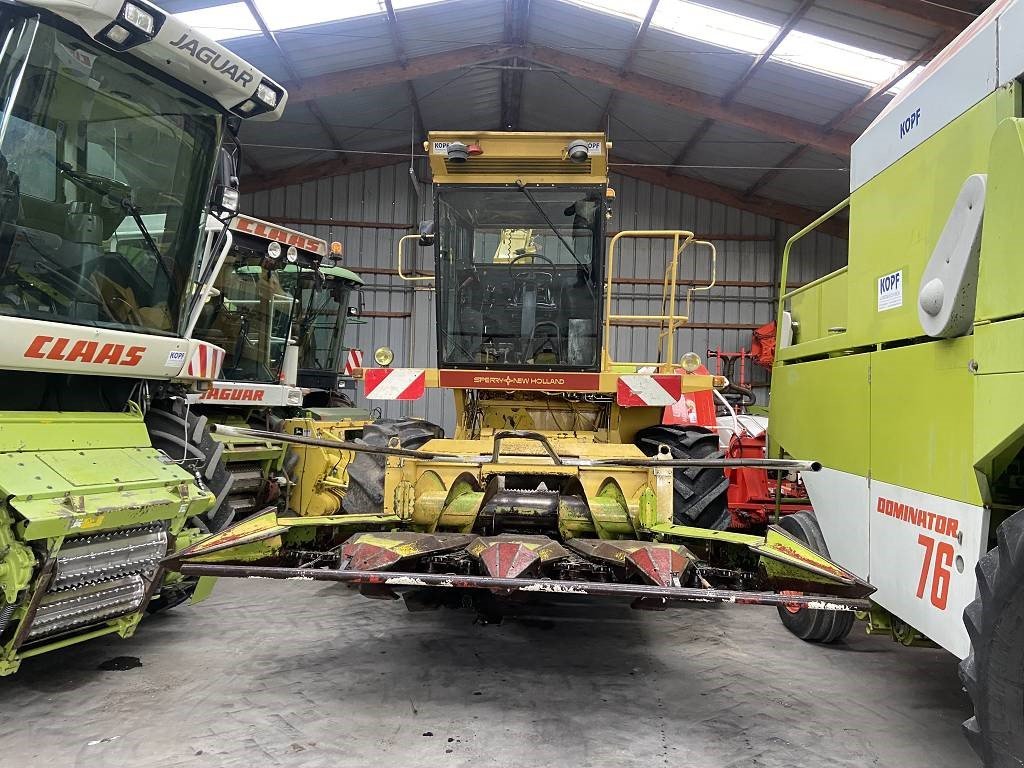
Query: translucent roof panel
point(737, 32)
point(629, 9)
point(711, 25)
point(222, 22)
point(837, 59)
point(286, 14)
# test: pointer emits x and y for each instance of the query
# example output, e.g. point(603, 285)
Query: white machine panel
point(923, 552)
point(840, 501)
point(247, 393)
point(961, 76)
point(40, 345)
point(1011, 52)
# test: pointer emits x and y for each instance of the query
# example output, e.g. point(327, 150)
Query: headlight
point(138, 18)
point(384, 356)
point(690, 362)
point(292, 254)
point(274, 249)
point(136, 23)
point(266, 98)
point(266, 94)
point(578, 151)
point(229, 199)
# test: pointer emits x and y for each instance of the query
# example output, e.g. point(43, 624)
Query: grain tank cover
point(493, 157)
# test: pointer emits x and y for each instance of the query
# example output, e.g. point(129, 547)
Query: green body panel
point(342, 274)
point(921, 414)
point(1001, 271)
point(68, 475)
point(908, 409)
point(998, 383)
point(31, 431)
point(821, 307)
point(895, 221)
point(805, 417)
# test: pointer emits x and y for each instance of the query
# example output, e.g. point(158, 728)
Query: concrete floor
point(295, 674)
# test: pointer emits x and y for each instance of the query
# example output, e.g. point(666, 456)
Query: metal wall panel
point(401, 315)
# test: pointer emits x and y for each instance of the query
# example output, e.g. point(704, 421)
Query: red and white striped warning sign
point(640, 390)
point(353, 361)
point(394, 383)
point(206, 361)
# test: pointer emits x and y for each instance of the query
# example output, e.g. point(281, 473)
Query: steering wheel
point(524, 275)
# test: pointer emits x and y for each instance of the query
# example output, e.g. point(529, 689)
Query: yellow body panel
point(508, 157)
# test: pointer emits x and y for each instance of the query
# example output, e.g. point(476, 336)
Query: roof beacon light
point(458, 152)
point(578, 151)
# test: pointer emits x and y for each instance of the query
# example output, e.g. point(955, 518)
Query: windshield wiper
point(551, 226)
point(108, 188)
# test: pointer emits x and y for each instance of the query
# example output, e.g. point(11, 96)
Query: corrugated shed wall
point(371, 210)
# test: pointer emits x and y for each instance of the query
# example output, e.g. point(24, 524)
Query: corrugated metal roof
point(643, 129)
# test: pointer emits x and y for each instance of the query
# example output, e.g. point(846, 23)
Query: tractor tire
point(810, 625)
point(191, 443)
point(993, 673)
point(699, 493)
point(365, 492)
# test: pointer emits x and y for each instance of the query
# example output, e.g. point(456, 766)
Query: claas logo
point(83, 351)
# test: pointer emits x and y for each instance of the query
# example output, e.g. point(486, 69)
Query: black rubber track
point(994, 672)
point(807, 624)
point(365, 492)
point(699, 493)
point(193, 442)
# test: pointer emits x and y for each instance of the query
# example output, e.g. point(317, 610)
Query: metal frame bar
point(482, 460)
point(410, 580)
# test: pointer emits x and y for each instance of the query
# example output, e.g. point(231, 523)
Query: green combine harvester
point(111, 168)
point(903, 374)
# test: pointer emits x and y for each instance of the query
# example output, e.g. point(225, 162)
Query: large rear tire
point(188, 440)
point(993, 674)
point(365, 492)
point(699, 494)
point(811, 625)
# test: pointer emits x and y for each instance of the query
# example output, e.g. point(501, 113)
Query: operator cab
point(255, 307)
point(107, 150)
point(518, 276)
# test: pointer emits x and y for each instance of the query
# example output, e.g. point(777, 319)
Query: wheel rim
point(792, 607)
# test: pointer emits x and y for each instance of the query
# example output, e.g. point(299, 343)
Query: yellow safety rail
point(783, 294)
point(410, 278)
point(669, 322)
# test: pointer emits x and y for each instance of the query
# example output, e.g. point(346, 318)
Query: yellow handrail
point(402, 275)
point(785, 264)
point(670, 321)
point(714, 275)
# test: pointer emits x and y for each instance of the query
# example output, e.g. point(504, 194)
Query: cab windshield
point(250, 316)
point(518, 280)
point(104, 176)
point(323, 299)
